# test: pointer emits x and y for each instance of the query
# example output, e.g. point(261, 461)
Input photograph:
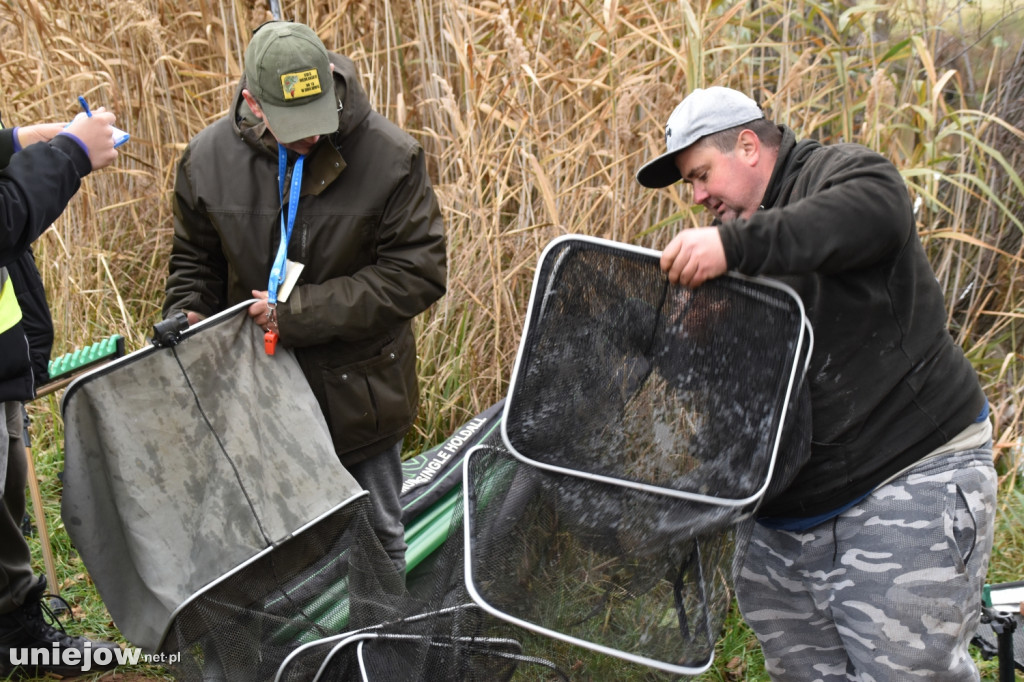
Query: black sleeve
point(36, 320)
point(854, 210)
point(6, 146)
point(35, 187)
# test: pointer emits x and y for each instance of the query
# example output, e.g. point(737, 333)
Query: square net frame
point(327, 578)
point(636, 382)
point(613, 569)
point(437, 633)
point(642, 428)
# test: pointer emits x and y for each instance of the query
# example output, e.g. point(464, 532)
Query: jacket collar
point(792, 157)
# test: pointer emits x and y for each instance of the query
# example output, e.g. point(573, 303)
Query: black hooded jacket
point(36, 320)
point(888, 384)
point(35, 186)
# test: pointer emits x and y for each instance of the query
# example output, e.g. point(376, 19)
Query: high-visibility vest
point(10, 311)
point(15, 365)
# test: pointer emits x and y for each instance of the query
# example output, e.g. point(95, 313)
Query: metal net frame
point(442, 633)
point(609, 568)
point(644, 424)
point(641, 383)
point(328, 578)
point(436, 633)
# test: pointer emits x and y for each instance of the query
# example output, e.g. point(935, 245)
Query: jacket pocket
point(371, 399)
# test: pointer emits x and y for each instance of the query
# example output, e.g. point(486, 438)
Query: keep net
point(443, 634)
point(204, 495)
point(678, 391)
point(333, 577)
point(643, 425)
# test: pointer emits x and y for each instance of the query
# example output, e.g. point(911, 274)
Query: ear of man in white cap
point(288, 71)
point(703, 112)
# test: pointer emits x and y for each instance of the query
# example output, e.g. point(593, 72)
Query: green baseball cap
point(288, 71)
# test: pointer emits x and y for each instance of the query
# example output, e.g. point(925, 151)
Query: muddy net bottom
point(328, 604)
point(331, 577)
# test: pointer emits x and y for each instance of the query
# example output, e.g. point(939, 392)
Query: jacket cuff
point(76, 151)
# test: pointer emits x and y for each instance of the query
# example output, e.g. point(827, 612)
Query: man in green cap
point(306, 199)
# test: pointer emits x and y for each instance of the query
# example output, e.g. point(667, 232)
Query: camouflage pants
point(889, 590)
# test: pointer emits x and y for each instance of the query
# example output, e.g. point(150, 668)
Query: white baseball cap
point(701, 113)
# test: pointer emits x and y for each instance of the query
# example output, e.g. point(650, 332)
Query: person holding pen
point(42, 168)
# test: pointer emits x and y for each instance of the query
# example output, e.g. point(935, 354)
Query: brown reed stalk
point(535, 117)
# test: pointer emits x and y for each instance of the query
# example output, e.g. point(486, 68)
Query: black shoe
point(31, 645)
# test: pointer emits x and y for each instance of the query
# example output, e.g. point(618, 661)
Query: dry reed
point(535, 117)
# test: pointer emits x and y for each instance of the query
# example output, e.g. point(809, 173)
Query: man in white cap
point(308, 200)
point(871, 564)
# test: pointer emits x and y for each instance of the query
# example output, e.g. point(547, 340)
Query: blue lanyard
point(277, 272)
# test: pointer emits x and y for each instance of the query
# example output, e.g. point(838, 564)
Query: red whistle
point(270, 342)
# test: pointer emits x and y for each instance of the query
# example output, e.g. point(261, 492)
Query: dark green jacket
point(888, 384)
point(368, 231)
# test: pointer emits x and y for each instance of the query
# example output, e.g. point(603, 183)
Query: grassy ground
point(535, 116)
point(737, 656)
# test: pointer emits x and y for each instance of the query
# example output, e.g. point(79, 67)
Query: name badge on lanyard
point(284, 273)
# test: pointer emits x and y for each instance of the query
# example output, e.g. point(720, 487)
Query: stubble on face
point(728, 184)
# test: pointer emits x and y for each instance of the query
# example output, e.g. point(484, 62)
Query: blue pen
point(120, 136)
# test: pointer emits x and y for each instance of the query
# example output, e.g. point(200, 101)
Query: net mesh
point(607, 566)
point(330, 578)
point(621, 380)
point(623, 375)
point(641, 430)
point(444, 635)
point(439, 634)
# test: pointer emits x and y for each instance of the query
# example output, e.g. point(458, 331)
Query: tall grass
point(535, 117)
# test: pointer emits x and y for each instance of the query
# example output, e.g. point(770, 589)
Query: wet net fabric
point(622, 375)
point(611, 567)
point(444, 634)
point(619, 577)
point(328, 579)
point(204, 495)
point(644, 423)
point(440, 635)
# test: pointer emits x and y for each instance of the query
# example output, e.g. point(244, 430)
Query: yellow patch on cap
point(300, 84)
